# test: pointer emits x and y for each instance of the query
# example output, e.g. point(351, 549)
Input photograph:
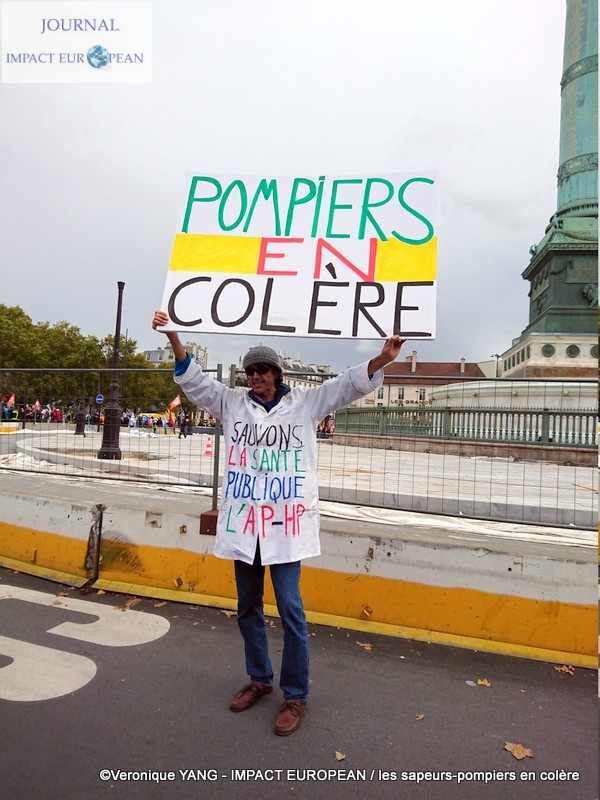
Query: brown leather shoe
point(290, 717)
point(248, 695)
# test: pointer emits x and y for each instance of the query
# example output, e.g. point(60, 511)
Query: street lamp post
point(112, 412)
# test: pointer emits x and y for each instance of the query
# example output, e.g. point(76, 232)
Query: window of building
point(401, 393)
point(422, 395)
point(380, 393)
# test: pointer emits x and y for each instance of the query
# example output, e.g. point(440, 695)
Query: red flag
point(37, 406)
point(175, 402)
point(11, 400)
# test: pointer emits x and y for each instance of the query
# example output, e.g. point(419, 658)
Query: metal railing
point(544, 427)
point(531, 464)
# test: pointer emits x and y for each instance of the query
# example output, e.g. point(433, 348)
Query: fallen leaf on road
point(228, 613)
point(518, 750)
point(340, 756)
point(57, 603)
point(566, 669)
point(62, 594)
point(419, 717)
point(160, 604)
point(132, 601)
point(483, 682)
point(365, 646)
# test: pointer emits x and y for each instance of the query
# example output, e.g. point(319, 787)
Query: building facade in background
point(164, 355)
point(297, 373)
point(409, 383)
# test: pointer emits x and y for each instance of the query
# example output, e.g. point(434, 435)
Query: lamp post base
point(110, 437)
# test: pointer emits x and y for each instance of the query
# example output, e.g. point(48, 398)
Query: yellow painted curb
point(43, 572)
point(380, 628)
point(181, 596)
point(524, 627)
point(453, 640)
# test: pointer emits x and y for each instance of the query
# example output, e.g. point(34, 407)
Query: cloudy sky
point(94, 177)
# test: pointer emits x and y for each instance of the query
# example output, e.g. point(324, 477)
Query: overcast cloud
point(94, 177)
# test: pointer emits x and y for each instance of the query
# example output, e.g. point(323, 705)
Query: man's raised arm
point(160, 319)
point(389, 353)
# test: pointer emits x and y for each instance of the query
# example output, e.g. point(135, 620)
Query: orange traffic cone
point(208, 451)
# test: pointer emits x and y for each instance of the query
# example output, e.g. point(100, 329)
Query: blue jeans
point(250, 580)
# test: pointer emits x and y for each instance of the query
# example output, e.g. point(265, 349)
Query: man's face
point(261, 379)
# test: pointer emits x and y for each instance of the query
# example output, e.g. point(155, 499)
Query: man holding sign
point(269, 514)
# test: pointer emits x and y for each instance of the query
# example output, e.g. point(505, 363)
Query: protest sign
point(349, 257)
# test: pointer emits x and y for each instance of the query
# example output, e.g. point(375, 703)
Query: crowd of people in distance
point(34, 412)
point(182, 424)
point(156, 422)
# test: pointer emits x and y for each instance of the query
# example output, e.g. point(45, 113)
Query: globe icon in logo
point(98, 56)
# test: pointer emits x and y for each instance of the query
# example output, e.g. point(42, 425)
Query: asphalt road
point(123, 704)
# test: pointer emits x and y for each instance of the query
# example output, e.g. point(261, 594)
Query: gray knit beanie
point(261, 355)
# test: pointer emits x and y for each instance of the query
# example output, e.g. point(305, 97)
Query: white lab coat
point(270, 485)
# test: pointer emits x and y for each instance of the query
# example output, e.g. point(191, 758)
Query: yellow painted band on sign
point(398, 262)
point(395, 261)
point(198, 252)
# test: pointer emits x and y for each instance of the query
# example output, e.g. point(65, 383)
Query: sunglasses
point(261, 369)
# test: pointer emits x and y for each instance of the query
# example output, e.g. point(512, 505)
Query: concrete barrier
point(510, 589)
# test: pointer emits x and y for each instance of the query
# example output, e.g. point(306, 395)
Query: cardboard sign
point(307, 257)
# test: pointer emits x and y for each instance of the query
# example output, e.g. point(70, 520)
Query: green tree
point(25, 345)
point(140, 391)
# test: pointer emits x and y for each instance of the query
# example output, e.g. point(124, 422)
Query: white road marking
point(37, 672)
point(41, 673)
point(111, 628)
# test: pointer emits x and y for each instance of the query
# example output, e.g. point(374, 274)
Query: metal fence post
point(217, 449)
point(545, 438)
point(446, 423)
